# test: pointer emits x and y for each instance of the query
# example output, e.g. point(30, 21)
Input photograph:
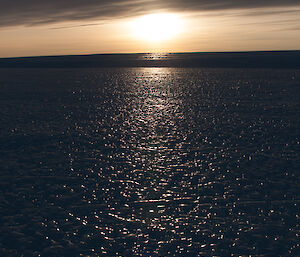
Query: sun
point(156, 27)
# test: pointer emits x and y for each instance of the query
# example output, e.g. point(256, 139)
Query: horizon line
point(158, 53)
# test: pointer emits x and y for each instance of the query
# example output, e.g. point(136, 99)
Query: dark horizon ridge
point(241, 59)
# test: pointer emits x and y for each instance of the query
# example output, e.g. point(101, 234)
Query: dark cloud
point(271, 12)
point(33, 12)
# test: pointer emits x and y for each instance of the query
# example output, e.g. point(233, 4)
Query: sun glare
point(157, 27)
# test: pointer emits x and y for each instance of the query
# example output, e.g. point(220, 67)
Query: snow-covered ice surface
point(149, 162)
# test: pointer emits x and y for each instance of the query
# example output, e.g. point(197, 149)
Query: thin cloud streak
point(37, 12)
point(78, 26)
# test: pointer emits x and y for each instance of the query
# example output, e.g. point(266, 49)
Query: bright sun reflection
point(157, 27)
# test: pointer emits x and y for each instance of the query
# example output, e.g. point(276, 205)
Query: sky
point(62, 27)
